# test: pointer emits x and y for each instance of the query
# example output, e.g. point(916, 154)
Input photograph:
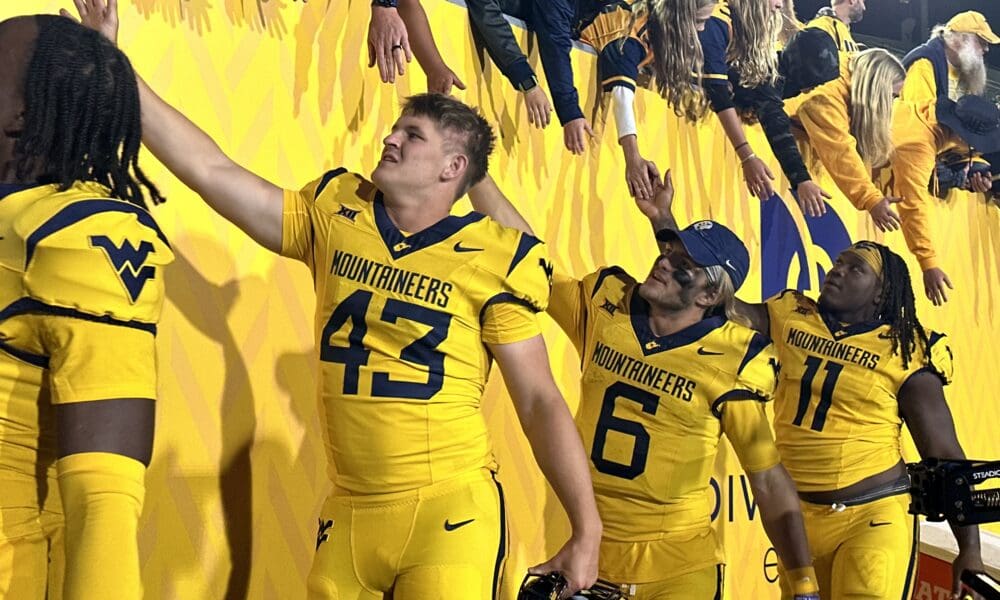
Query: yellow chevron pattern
point(283, 86)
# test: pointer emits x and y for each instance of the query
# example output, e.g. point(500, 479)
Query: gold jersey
point(81, 287)
point(401, 325)
point(654, 407)
point(836, 416)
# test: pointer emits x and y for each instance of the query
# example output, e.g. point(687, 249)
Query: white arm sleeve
point(622, 99)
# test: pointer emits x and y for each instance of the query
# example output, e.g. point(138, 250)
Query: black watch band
point(526, 84)
point(385, 3)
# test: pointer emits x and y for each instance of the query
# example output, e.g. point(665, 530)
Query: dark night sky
point(900, 21)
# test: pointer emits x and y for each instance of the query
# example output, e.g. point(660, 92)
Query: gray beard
point(971, 73)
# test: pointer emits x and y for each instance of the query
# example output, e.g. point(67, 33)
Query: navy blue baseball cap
point(712, 244)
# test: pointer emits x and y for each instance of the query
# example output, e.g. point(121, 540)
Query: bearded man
point(948, 66)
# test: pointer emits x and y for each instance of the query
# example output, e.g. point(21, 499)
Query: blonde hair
point(756, 27)
point(874, 73)
point(726, 304)
point(677, 55)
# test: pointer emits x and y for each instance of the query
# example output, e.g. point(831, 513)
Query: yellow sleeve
point(913, 166)
point(827, 123)
point(741, 410)
point(758, 371)
point(91, 360)
point(568, 307)
point(297, 217)
point(920, 89)
point(509, 322)
point(102, 497)
point(525, 290)
point(102, 259)
point(745, 424)
point(942, 362)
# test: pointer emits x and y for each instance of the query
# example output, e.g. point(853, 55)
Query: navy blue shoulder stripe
point(524, 246)
point(26, 306)
point(504, 297)
point(933, 339)
point(757, 344)
point(28, 357)
point(732, 396)
point(6, 189)
point(327, 178)
point(78, 211)
point(604, 274)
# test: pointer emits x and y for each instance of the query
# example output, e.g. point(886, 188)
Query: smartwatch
point(526, 84)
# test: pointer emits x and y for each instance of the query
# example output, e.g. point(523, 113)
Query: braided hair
point(82, 120)
point(898, 306)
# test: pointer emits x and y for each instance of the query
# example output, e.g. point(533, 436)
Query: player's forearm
point(559, 452)
point(420, 35)
point(487, 198)
point(102, 497)
point(967, 537)
point(781, 516)
point(248, 201)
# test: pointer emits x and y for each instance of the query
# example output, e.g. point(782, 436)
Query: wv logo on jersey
point(127, 261)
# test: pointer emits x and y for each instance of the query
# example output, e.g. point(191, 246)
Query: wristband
point(803, 582)
point(385, 3)
point(748, 157)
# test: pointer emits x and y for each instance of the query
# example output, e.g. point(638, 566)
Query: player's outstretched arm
point(250, 202)
point(922, 405)
point(556, 445)
point(781, 517)
point(487, 198)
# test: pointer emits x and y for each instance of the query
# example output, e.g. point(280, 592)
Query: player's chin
point(380, 176)
point(653, 290)
point(831, 297)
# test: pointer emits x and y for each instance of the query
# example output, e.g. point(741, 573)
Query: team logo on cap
point(702, 225)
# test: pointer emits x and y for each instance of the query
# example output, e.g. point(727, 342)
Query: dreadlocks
point(82, 120)
point(898, 307)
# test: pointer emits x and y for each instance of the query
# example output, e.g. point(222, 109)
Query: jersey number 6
point(609, 422)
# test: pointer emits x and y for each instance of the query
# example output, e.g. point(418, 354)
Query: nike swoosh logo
point(704, 352)
point(453, 526)
point(874, 524)
point(730, 264)
point(460, 248)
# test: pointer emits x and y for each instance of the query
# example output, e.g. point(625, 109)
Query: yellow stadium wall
point(238, 469)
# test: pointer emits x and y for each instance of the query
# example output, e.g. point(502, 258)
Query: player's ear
point(709, 297)
point(456, 166)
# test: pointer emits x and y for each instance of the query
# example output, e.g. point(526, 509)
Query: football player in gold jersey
point(667, 368)
point(855, 366)
point(412, 307)
point(81, 286)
